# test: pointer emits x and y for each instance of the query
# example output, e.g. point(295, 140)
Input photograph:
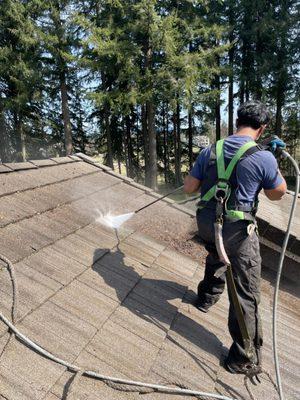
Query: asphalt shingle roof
point(121, 308)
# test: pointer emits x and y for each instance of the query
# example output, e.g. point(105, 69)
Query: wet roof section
point(118, 305)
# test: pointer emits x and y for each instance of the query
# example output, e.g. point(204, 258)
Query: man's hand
point(274, 144)
point(191, 184)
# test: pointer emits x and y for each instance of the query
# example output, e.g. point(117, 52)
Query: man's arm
point(193, 181)
point(274, 184)
point(191, 184)
point(278, 192)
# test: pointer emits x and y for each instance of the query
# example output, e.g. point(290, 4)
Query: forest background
point(138, 82)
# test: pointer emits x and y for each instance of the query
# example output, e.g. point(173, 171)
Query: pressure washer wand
point(158, 199)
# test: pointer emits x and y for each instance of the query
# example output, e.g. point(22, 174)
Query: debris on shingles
point(180, 239)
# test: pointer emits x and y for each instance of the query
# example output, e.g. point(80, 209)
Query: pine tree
point(58, 33)
point(19, 74)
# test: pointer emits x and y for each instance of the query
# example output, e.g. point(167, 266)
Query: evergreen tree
point(19, 76)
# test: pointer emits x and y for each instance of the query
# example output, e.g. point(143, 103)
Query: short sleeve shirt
point(253, 173)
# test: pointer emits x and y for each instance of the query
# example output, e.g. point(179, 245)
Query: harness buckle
point(222, 190)
point(220, 210)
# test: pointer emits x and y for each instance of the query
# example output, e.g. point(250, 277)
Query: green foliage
point(138, 70)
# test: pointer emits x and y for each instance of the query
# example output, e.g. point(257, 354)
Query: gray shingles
point(4, 169)
point(89, 388)
point(25, 375)
point(86, 303)
point(24, 180)
point(58, 330)
point(79, 250)
point(55, 265)
point(96, 238)
point(9, 214)
point(176, 364)
point(13, 182)
point(121, 264)
point(140, 324)
point(20, 166)
point(179, 264)
point(62, 160)
point(104, 280)
point(43, 163)
point(122, 349)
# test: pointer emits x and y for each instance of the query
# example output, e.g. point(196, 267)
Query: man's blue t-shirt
point(255, 172)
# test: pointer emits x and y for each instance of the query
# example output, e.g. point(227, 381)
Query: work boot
point(237, 363)
point(201, 305)
point(242, 367)
point(239, 368)
point(205, 301)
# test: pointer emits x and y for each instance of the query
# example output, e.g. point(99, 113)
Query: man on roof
point(252, 168)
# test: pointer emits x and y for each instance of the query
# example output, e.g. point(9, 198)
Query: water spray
point(116, 221)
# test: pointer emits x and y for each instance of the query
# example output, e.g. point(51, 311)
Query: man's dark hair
point(253, 114)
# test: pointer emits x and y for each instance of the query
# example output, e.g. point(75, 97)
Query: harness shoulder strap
point(225, 174)
point(238, 155)
point(220, 159)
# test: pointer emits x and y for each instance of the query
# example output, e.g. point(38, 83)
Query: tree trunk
point(82, 136)
point(217, 87)
point(279, 105)
point(231, 66)
point(107, 117)
point(137, 139)
point(62, 67)
point(165, 144)
point(230, 106)
point(177, 145)
point(247, 90)
point(151, 171)
point(124, 146)
point(152, 167)
point(190, 134)
point(20, 143)
point(242, 91)
point(218, 109)
point(129, 150)
point(23, 143)
point(66, 114)
point(119, 164)
point(145, 140)
point(3, 139)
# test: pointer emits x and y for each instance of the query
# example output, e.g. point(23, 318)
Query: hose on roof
point(110, 379)
point(279, 272)
point(142, 387)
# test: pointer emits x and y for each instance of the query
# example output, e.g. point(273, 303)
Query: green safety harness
point(223, 187)
point(221, 193)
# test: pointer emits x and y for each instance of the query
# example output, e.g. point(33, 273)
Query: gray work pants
point(244, 255)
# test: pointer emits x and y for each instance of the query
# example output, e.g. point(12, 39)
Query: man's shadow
point(150, 299)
